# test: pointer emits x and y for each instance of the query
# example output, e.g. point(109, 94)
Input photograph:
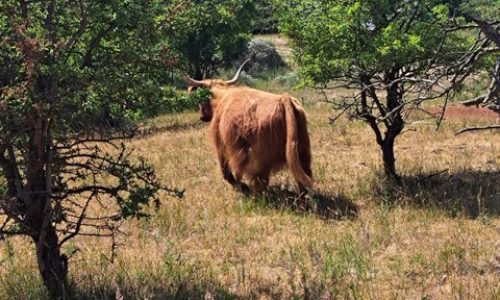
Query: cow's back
point(251, 127)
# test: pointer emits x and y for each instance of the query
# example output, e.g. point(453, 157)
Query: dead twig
point(433, 175)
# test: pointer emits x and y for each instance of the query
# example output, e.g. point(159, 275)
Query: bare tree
point(487, 43)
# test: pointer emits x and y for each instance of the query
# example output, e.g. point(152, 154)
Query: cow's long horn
point(193, 82)
point(237, 76)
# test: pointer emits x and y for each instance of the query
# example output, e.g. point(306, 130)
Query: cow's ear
point(205, 110)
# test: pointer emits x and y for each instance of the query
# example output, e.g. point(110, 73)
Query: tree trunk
point(389, 160)
point(198, 72)
point(52, 265)
point(396, 125)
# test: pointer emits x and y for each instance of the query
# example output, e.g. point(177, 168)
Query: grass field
point(436, 238)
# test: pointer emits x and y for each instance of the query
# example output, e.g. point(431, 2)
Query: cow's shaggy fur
point(256, 134)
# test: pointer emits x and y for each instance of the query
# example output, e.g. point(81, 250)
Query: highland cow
point(255, 133)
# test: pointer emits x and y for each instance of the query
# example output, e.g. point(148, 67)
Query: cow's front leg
point(229, 177)
point(260, 182)
point(227, 174)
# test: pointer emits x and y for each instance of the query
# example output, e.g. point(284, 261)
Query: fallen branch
point(476, 128)
point(433, 175)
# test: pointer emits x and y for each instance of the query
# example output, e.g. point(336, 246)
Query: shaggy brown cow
point(256, 133)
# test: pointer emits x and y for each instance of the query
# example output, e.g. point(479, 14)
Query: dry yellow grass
point(439, 238)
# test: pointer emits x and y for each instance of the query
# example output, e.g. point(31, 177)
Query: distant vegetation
point(266, 19)
point(209, 35)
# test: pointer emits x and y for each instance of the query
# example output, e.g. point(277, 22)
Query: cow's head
point(205, 112)
point(205, 108)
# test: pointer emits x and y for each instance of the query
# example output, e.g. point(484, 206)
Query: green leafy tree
point(63, 63)
point(266, 19)
point(210, 34)
point(386, 50)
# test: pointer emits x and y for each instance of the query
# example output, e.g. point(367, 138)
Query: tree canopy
point(207, 35)
point(336, 38)
point(392, 52)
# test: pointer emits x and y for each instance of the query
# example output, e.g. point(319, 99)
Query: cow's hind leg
point(306, 166)
point(307, 170)
point(302, 189)
point(305, 162)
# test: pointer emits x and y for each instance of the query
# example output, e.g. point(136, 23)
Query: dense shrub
point(173, 102)
point(209, 35)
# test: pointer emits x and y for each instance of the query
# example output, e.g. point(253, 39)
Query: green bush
point(174, 102)
point(210, 34)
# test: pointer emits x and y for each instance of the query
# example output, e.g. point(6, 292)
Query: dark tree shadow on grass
point(176, 127)
point(471, 193)
point(322, 204)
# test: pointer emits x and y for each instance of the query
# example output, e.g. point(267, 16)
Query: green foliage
point(83, 72)
point(462, 11)
point(288, 79)
point(207, 35)
point(266, 20)
point(171, 101)
point(485, 9)
point(201, 96)
point(332, 38)
point(175, 103)
point(115, 66)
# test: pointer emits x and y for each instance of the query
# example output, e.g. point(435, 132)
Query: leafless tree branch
point(477, 128)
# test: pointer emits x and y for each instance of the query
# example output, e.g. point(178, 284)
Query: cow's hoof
point(303, 191)
point(247, 191)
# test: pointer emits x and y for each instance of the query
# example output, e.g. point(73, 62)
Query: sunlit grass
point(437, 238)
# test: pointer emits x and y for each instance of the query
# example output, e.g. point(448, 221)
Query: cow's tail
point(293, 161)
